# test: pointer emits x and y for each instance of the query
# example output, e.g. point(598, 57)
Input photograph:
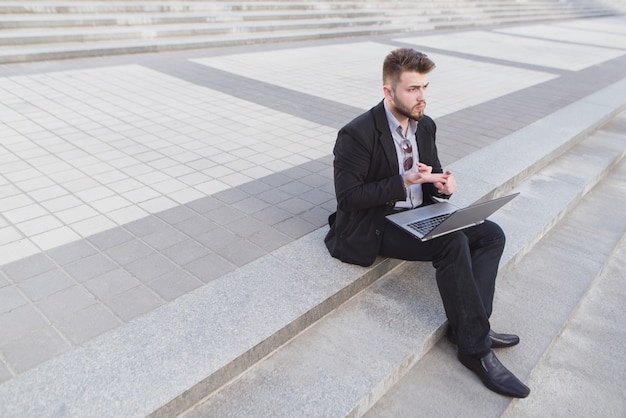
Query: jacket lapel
point(386, 141)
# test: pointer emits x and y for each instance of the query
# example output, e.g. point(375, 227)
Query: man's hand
point(444, 182)
point(424, 175)
point(423, 168)
point(448, 186)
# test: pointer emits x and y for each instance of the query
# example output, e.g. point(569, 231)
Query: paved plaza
point(128, 181)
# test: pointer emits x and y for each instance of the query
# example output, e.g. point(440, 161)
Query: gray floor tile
point(294, 188)
point(129, 251)
point(205, 204)
point(295, 227)
point(133, 302)
point(185, 252)
point(19, 322)
point(174, 284)
point(10, 298)
point(146, 226)
point(74, 251)
point(269, 238)
point(317, 216)
point(253, 188)
point(196, 225)
point(111, 283)
point(245, 227)
point(87, 323)
point(231, 196)
point(296, 205)
point(176, 214)
point(274, 196)
point(320, 181)
point(164, 238)
point(46, 284)
point(28, 267)
point(218, 238)
point(241, 252)
point(272, 215)
point(210, 267)
point(250, 205)
point(150, 267)
point(277, 179)
point(34, 348)
point(90, 267)
point(110, 238)
point(224, 215)
point(66, 302)
point(317, 196)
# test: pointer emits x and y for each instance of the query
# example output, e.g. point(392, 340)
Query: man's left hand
point(449, 186)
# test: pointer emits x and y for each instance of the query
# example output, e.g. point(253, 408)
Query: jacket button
point(378, 232)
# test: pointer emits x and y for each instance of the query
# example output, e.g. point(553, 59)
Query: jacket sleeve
point(363, 178)
point(426, 140)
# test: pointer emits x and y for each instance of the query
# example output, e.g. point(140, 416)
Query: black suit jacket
point(368, 183)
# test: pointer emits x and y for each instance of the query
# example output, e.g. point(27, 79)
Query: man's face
point(408, 98)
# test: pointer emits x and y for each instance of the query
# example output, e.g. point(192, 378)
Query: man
point(385, 161)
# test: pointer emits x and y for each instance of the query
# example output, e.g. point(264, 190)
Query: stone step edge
point(107, 48)
point(224, 25)
point(413, 335)
point(561, 140)
point(609, 267)
point(19, 23)
point(76, 7)
point(128, 354)
point(510, 316)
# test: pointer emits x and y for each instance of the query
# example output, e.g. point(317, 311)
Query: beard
point(410, 113)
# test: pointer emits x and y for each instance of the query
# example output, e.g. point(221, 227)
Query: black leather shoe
point(497, 340)
point(502, 340)
point(495, 376)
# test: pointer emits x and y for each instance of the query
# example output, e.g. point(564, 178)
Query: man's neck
point(402, 120)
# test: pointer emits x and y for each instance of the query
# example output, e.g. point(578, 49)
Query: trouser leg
point(486, 246)
point(461, 296)
point(455, 256)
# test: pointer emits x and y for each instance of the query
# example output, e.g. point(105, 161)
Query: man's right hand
point(423, 177)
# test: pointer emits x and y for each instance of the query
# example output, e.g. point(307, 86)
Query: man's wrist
point(404, 183)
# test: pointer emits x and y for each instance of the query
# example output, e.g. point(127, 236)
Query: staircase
point(34, 30)
point(296, 333)
point(380, 353)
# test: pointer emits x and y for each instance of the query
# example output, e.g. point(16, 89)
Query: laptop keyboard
point(426, 225)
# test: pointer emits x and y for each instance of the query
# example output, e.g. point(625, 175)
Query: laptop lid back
point(469, 216)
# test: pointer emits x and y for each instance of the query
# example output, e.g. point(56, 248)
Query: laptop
point(432, 221)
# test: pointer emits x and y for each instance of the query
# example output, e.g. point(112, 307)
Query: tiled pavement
point(128, 181)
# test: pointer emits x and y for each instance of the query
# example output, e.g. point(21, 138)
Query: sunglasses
point(408, 154)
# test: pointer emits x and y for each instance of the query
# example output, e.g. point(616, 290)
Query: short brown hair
point(405, 59)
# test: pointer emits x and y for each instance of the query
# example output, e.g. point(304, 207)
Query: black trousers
point(466, 264)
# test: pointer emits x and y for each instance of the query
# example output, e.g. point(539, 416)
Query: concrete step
point(566, 300)
point(166, 361)
point(585, 361)
point(343, 364)
point(29, 22)
point(221, 36)
point(42, 30)
point(29, 31)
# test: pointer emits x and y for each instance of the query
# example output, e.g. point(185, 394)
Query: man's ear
point(388, 92)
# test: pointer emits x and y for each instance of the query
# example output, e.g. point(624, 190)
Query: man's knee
point(491, 232)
